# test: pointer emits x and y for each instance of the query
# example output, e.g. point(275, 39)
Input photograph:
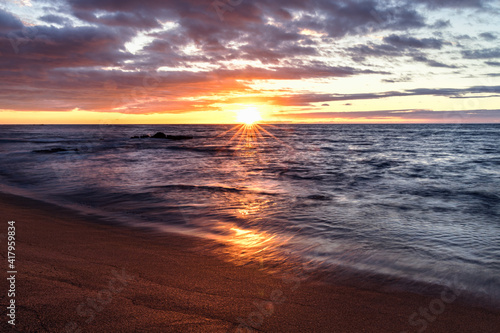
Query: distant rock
point(54, 150)
point(179, 137)
point(320, 197)
point(159, 135)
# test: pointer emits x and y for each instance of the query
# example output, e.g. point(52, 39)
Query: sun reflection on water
point(247, 235)
point(245, 245)
point(243, 235)
point(251, 241)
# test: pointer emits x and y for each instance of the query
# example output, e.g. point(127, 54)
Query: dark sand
point(76, 275)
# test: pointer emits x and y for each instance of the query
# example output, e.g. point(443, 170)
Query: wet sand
point(76, 274)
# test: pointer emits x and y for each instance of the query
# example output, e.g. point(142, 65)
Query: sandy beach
point(76, 274)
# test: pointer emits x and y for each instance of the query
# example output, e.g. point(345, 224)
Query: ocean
point(410, 206)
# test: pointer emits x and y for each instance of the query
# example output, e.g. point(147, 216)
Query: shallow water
point(416, 203)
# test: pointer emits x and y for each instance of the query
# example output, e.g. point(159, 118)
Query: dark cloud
point(454, 3)
point(358, 17)
point(399, 46)
point(123, 5)
point(492, 63)
point(136, 20)
point(9, 22)
point(432, 63)
point(51, 47)
point(490, 53)
point(244, 23)
point(373, 50)
point(488, 36)
point(334, 18)
point(50, 18)
point(411, 42)
point(463, 37)
point(441, 24)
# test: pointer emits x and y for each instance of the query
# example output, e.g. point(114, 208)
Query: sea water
point(416, 204)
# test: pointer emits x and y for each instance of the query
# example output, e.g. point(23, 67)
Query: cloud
point(399, 46)
point(125, 19)
point(51, 47)
point(403, 78)
point(488, 36)
point(9, 22)
point(454, 3)
point(492, 63)
point(122, 5)
point(352, 17)
point(308, 99)
point(489, 53)
point(359, 52)
point(334, 18)
point(50, 18)
point(411, 42)
point(210, 59)
point(470, 116)
point(291, 73)
point(114, 90)
point(441, 24)
point(432, 63)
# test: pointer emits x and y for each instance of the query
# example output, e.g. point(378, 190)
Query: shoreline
point(276, 262)
point(75, 273)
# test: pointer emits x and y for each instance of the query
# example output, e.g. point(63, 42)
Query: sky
point(204, 61)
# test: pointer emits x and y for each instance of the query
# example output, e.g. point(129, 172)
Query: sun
point(248, 131)
point(248, 116)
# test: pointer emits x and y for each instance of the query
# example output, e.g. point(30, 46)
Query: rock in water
point(54, 150)
point(179, 137)
point(159, 135)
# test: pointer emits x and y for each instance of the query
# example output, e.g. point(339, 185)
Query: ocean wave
point(211, 188)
